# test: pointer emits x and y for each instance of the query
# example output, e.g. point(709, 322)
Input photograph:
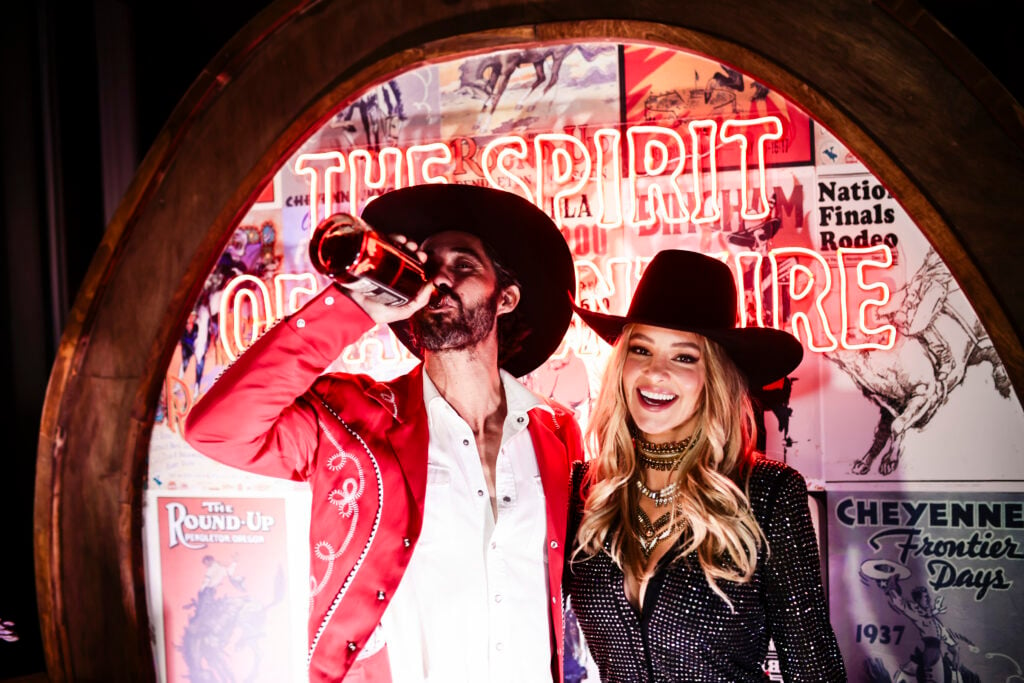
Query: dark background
point(85, 88)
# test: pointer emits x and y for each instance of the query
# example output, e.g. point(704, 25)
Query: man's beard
point(434, 332)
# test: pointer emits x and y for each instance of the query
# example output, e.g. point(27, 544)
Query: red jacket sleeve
point(255, 416)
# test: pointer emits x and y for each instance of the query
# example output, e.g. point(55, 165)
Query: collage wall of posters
point(901, 400)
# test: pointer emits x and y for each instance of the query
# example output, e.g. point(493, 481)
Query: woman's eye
point(639, 350)
point(686, 358)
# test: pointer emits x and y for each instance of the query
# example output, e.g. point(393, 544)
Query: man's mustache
point(442, 292)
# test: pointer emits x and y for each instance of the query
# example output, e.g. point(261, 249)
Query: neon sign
point(643, 175)
point(658, 160)
point(248, 307)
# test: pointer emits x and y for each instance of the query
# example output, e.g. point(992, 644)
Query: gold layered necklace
point(663, 457)
point(661, 497)
point(650, 534)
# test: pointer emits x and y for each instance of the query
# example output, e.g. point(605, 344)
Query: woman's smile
point(656, 400)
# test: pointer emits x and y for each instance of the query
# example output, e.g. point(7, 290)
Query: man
point(439, 498)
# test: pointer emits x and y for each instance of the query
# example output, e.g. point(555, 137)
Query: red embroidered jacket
point(362, 447)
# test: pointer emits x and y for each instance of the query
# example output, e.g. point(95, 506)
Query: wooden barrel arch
point(905, 97)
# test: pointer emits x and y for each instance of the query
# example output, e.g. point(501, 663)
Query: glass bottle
point(353, 254)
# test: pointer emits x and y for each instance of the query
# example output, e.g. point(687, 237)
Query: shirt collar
point(518, 398)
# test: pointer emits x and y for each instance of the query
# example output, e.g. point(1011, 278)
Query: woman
point(693, 550)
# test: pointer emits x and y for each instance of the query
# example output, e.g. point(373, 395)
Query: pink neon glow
point(809, 280)
point(656, 161)
point(649, 156)
point(756, 295)
point(376, 176)
point(320, 167)
point(706, 209)
point(509, 149)
point(421, 168)
point(775, 133)
point(817, 276)
point(884, 260)
point(562, 169)
point(232, 301)
point(607, 142)
point(294, 287)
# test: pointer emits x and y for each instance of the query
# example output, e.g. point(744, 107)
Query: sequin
point(687, 634)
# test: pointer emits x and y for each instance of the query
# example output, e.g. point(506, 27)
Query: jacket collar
point(401, 397)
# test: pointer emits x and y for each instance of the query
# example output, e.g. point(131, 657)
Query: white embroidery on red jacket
point(386, 397)
point(353, 516)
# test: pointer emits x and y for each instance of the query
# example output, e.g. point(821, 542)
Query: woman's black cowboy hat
point(524, 239)
point(684, 290)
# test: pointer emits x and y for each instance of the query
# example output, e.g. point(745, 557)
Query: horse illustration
point(219, 623)
point(488, 76)
point(381, 115)
point(935, 345)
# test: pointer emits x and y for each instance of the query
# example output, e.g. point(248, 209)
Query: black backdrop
point(85, 88)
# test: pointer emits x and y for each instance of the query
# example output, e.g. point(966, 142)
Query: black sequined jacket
point(685, 633)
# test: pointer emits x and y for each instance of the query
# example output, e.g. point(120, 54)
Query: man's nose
point(439, 274)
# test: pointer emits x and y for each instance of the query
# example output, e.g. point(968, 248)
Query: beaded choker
point(662, 456)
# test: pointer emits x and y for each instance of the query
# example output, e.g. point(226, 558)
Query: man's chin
point(434, 334)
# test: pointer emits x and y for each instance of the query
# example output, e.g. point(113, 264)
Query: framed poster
point(227, 578)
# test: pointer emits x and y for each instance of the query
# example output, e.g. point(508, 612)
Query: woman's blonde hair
point(720, 532)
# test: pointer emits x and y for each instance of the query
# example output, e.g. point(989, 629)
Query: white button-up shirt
point(473, 605)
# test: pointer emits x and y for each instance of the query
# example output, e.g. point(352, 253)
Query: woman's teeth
point(655, 397)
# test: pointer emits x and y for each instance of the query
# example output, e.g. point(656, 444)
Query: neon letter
point(863, 261)
point(562, 167)
point(436, 154)
point(773, 132)
point(652, 160)
point(327, 164)
point(821, 281)
point(508, 146)
point(231, 302)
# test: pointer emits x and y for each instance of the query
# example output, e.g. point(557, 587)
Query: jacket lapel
point(408, 437)
point(552, 461)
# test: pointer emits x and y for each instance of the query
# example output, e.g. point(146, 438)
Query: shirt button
point(494, 544)
point(520, 419)
point(329, 301)
point(465, 442)
point(300, 323)
point(507, 499)
point(480, 492)
point(499, 646)
point(406, 542)
point(351, 646)
point(380, 595)
point(554, 544)
point(497, 598)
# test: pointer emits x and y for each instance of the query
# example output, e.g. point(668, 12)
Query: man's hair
point(512, 329)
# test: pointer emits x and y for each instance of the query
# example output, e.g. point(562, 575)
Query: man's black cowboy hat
point(684, 290)
point(524, 239)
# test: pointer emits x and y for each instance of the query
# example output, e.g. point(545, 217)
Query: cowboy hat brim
point(524, 239)
point(764, 355)
point(689, 291)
